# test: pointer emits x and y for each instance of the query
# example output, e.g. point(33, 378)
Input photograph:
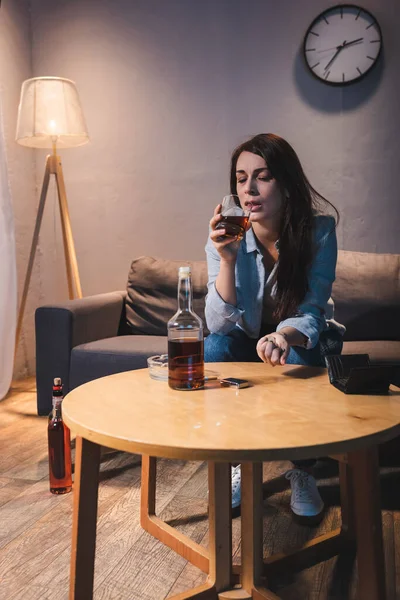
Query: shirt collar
point(251, 242)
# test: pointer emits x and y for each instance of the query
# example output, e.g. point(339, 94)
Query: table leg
point(346, 499)
point(84, 519)
point(220, 524)
point(252, 534)
point(364, 466)
point(220, 536)
point(194, 553)
point(148, 488)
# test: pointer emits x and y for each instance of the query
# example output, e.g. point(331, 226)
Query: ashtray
point(158, 367)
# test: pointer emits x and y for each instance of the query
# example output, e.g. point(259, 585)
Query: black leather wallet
point(354, 374)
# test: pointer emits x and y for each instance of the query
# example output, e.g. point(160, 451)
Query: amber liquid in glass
point(234, 226)
point(185, 364)
point(59, 441)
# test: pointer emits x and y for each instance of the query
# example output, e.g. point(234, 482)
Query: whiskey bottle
point(59, 439)
point(185, 340)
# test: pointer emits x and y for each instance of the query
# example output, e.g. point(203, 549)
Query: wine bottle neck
point(185, 294)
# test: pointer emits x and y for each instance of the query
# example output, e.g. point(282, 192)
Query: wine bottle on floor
point(59, 438)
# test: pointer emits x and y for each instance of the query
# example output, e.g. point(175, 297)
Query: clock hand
point(345, 44)
point(341, 45)
point(338, 50)
point(326, 49)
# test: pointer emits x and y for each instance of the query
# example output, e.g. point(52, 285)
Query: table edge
point(229, 455)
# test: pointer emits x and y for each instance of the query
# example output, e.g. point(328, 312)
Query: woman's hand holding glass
point(228, 227)
point(227, 247)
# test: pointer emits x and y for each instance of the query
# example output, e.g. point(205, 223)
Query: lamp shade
point(50, 111)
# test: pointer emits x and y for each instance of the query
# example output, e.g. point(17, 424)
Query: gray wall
point(15, 66)
point(169, 87)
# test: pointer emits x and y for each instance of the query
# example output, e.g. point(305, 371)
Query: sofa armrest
point(60, 327)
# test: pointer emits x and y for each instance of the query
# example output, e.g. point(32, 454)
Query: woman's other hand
point(226, 246)
point(273, 349)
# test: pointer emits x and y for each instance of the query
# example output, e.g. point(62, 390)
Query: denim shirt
point(315, 313)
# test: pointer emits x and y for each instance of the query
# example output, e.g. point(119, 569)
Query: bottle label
point(57, 401)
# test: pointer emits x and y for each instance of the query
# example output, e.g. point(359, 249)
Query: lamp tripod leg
point(69, 247)
point(35, 238)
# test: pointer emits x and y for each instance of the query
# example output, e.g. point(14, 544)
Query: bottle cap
point(185, 271)
point(57, 380)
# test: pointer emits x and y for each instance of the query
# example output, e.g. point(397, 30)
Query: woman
point(269, 295)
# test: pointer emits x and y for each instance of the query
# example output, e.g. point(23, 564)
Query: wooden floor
point(35, 526)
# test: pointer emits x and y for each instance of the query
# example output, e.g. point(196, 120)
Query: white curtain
point(8, 274)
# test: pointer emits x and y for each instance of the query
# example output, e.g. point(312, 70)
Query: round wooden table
point(289, 412)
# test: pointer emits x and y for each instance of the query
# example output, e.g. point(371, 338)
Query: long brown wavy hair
point(300, 203)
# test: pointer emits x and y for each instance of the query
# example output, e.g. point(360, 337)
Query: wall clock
point(342, 44)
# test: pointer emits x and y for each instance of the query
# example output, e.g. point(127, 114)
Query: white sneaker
point(236, 478)
point(305, 500)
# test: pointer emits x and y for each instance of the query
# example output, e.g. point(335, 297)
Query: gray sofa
point(81, 340)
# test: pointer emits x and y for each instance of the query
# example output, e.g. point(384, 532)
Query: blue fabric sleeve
point(310, 317)
point(221, 317)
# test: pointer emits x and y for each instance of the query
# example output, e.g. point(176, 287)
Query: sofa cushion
point(113, 355)
point(152, 293)
point(379, 351)
point(367, 295)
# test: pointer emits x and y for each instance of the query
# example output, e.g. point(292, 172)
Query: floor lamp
point(50, 116)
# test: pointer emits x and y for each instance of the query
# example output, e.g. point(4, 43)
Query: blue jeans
point(237, 346)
